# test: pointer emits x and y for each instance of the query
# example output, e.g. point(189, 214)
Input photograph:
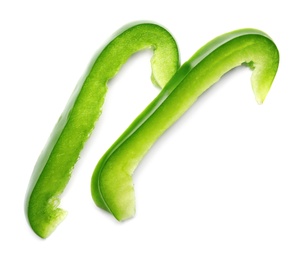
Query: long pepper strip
point(112, 186)
point(55, 164)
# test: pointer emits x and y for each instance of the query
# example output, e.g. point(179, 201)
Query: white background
point(217, 185)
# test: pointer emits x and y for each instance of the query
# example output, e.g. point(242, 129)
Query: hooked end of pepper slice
point(262, 78)
point(264, 67)
point(44, 220)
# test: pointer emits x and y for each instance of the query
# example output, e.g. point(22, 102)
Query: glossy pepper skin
point(55, 164)
point(112, 186)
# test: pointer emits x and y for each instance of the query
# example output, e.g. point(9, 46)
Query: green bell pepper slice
point(55, 164)
point(111, 184)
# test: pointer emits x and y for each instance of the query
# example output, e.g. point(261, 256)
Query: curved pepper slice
point(54, 166)
point(111, 185)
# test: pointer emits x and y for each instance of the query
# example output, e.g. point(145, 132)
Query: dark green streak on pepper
point(112, 187)
point(55, 164)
